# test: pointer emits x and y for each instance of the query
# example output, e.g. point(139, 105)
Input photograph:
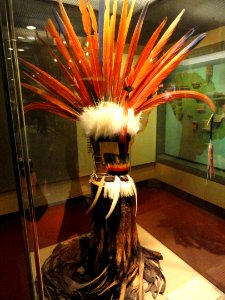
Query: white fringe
point(100, 187)
point(115, 190)
point(108, 119)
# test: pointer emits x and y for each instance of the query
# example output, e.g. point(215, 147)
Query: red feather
point(147, 49)
point(85, 17)
point(170, 96)
point(56, 102)
point(49, 108)
point(119, 49)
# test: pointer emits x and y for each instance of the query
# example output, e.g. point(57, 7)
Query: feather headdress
point(99, 85)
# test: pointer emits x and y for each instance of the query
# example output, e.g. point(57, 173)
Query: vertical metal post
point(24, 146)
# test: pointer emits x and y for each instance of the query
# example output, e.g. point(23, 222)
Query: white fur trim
point(108, 119)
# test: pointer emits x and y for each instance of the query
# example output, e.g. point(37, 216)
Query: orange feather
point(112, 43)
point(123, 30)
point(152, 85)
point(166, 36)
point(58, 40)
point(44, 106)
point(75, 46)
point(93, 52)
point(50, 82)
point(170, 96)
point(154, 67)
point(134, 42)
point(98, 78)
point(89, 21)
point(143, 62)
point(70, 62)
point(147, 63)
point(56, 102)
point(119, 49)
point(106, 48)
point(45, 88)
point(60, 64)
point(85, 17)
point(147, 49)
point(93, 17)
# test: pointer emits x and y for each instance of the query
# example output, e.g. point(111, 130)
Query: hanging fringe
point(210, 171)
point(121, 187)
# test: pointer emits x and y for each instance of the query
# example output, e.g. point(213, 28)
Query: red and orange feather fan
point(102, 77)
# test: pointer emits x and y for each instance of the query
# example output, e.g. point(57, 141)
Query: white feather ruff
point(108, 119)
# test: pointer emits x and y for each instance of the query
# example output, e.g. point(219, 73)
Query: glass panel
point(186, 145)
point(190, 119)
point(60, 160)
point(57, 159)
point(24, 219)
point(14, 259)
point(184, 133)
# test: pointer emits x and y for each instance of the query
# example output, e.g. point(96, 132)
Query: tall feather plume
point(69, 60)
point(121, 39)
point(85, 17)
point(51, 83)
point(112, 44)
point(89, 22)
point(132, 49)
point(143, 63)
point(144, 70)
point(63, 68)
point(59, 23)
point(53, 93)
point(147, 49)
point(134, 42)
point(93, 17)
point(166, 36)
point(94, 51)
point(100, 28)
point(100, 76)
point(77, 50)
point(106, 49)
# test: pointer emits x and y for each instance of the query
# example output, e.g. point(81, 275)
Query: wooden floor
point(194, 233)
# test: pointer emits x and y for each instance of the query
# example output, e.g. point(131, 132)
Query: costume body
point(113, 263)
point(108, 98)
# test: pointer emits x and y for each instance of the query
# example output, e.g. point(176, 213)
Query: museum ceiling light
point(31, 27)
point(31, 38)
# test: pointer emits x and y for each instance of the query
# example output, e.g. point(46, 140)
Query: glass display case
point(48, 178)
point(188, 140)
